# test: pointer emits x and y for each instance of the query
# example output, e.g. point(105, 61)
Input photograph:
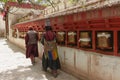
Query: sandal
point(55, 75)
point(33, 62)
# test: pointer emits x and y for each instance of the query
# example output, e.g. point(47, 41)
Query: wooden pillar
point(6, 21)
point(115, 41)
point(6, 25)
point(94, 40)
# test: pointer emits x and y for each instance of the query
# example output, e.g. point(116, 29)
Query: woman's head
point(30, 28)
point(48, 28)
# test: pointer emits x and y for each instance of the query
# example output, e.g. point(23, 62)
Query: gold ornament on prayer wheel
point(103, 40)
point(84, 39)
point(72, 37)
point(60, 36)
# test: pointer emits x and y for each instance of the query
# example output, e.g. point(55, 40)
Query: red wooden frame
point(105, 19)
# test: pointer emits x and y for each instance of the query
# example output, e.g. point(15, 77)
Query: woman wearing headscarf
point(31, 40)
point(50, 56)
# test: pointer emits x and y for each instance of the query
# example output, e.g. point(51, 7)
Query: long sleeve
point(42, 39)
point(26, 39)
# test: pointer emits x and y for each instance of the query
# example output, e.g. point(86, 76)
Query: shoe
point(33, 62)
point(44, 69)
point(55, 75)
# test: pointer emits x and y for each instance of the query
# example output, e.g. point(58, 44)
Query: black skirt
point(52, 64)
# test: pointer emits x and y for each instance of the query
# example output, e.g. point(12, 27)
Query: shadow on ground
point(14, 47)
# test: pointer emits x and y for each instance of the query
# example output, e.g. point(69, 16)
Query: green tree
point(52, 3)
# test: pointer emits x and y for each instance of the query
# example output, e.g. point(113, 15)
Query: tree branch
point(51, 4)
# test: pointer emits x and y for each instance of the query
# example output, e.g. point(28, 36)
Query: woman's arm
point(26, 39)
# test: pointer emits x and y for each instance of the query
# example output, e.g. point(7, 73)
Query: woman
point(31, 40)
point(50, 56)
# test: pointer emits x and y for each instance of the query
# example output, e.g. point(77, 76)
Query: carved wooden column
point(6, 21)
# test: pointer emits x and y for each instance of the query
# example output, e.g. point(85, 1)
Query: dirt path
point(14, 65)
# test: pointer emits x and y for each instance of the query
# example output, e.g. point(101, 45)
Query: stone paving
point(14, 65)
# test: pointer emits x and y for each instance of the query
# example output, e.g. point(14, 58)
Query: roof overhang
point(23, 11)
point(24, 5)
point(23, 8)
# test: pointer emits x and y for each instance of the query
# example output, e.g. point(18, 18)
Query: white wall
point(2, 23)
point(90, 65)
point(84, 64)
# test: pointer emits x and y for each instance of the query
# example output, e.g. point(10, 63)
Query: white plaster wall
point(61, 51)
point(105, 67)
point(13, 18)
point(69, 57)
point(19, 42)
point(82, 60)
point(93, 66)
point(40, 49)
point(90, 65)
point(2, 23)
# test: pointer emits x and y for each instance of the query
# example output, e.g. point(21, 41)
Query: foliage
point(7, 0)
point(34, 2)
point(52, 3)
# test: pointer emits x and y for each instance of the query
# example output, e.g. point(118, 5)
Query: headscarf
point(30, 28)
point(49, 35)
